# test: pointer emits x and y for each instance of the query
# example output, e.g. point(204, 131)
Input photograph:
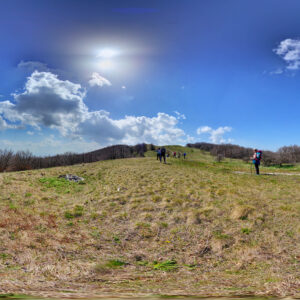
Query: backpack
point(163, 151)
point(258, 155)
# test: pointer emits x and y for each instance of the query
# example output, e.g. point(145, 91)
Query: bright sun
point(107, 58)
point(108, 53)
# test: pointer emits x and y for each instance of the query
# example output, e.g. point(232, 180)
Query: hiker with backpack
point(163, 154)
point(158, 154)
point(257, 154)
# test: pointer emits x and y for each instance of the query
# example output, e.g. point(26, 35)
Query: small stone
point(71, 177)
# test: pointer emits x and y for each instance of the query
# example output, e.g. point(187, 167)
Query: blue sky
point(80, 75)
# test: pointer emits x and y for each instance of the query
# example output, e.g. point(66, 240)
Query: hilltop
point(191, 227)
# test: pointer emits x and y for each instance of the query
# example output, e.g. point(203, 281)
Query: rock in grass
point(71, 177)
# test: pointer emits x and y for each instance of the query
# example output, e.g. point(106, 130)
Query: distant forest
point(24, 160)
point(284, 155)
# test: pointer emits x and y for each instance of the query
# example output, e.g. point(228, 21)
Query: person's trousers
point(257, 168)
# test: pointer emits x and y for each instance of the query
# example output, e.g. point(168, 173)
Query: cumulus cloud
point(3, 124)
point(50, 102)
point(161, 129)
point(204, 129)
point(98, 80)
point(289, 51)
point(215, 135)
point(47, 101)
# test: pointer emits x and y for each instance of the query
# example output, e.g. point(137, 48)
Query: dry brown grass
point(228, 233)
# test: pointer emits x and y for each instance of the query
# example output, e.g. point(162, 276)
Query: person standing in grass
point(256, 159)
point(184, 155)
point(163, 154)
point(158, 155)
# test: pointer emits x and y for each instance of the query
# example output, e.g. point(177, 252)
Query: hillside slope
point(190, 227)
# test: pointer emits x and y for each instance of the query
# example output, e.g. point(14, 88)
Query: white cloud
point(50, 102)
point(3, 124)
point(161, 129)
point(47, 101)
point(98, 80)
point(204, 129)
point(215, 135)
point(276, 72)
point(289, 51)
point(179, 115)
point(32, 66)
point(30, 132)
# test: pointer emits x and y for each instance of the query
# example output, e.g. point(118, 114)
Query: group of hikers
point(162, 154)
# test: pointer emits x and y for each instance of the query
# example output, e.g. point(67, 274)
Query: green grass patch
point(221, 236)
point(115, 263)
point(246, 230)
point(61, 185)
point(168, 265)
point(77, 212)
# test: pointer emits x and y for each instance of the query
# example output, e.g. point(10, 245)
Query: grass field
point(135, 226)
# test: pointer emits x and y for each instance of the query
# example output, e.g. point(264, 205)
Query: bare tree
point(21, 161)
point(5, 157)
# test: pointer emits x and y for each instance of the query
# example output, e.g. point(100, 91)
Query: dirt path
point(275, 174)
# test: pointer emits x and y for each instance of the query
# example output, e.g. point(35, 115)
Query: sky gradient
point(80, 75)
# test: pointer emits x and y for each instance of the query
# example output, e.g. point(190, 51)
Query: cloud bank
point(48, 102)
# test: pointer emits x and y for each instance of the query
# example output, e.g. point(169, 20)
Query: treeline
point(284, 155)
point(25, 160)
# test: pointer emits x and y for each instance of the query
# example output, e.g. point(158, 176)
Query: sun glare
point(106, 65)
point(108, 53)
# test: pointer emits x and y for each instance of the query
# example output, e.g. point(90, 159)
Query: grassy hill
point(135, 226)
